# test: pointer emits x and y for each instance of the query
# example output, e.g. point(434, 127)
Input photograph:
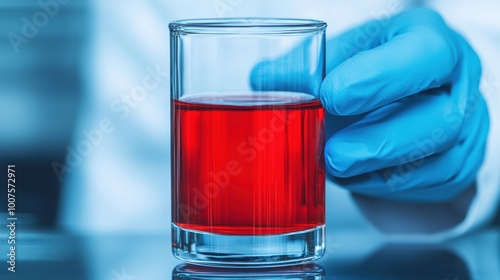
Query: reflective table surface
point(350, 255)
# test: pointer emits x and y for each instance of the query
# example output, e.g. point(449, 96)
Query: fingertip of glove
point(332, 94)
point(342, 157)
point(347, 90)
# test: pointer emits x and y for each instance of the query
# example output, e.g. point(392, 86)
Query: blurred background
point(41, 89)
point(92, 161)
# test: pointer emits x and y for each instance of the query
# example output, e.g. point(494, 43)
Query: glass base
point(223, 250)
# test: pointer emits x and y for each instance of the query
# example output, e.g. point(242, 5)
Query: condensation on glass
point(247, 141)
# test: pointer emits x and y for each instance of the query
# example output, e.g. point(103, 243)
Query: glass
point(247, 141)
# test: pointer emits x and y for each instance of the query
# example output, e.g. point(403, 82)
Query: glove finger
point(438, 177)
point(416, 51)
point(403, 131)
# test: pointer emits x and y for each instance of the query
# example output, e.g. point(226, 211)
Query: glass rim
point(246, 25)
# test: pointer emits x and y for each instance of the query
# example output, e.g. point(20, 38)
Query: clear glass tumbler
point(247, 141)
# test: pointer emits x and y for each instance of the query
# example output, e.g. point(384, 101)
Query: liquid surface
point(248, 164)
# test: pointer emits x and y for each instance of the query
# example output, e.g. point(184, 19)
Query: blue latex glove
point(406, 118)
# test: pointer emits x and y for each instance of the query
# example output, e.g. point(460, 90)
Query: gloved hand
point(406, 118)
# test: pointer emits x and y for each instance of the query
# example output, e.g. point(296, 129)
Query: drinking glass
point(247, 141)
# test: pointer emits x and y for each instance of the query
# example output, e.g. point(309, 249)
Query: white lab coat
point(123, 184)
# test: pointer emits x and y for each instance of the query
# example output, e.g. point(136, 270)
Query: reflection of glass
point(307, 271)
point(247, 141)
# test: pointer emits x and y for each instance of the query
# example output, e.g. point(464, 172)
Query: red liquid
point(251, 166)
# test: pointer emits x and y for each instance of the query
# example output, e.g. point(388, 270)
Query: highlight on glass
point(247, 141)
